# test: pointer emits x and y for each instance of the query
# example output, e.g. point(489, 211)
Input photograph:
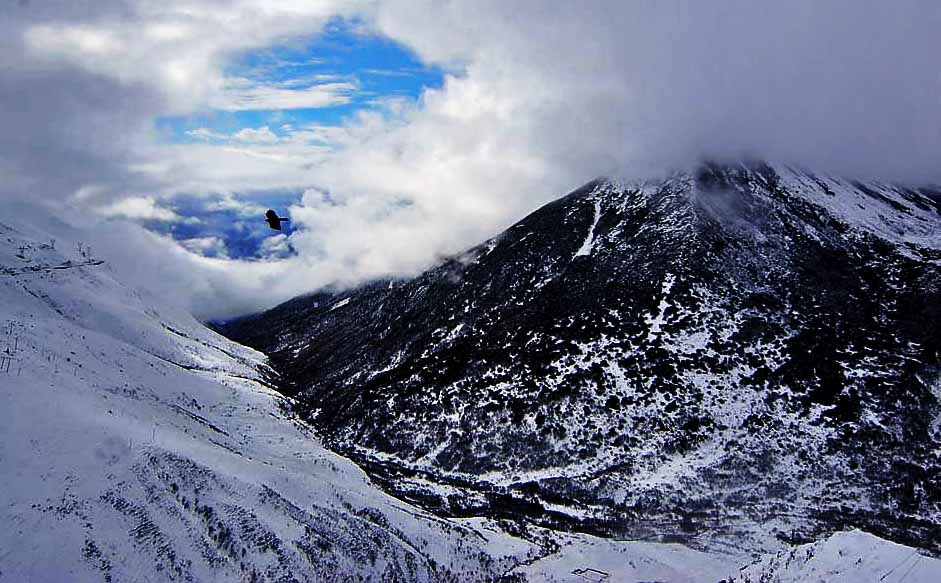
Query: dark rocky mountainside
point(739, 350)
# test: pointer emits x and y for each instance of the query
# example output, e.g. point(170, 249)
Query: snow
point(655, 322)
point(137, 445)
point(141, 446)
point(588, 558)
point(888, 215)
point(340, 304)
point(589, 242)
point(454, 333)
point(934, 385)
point(846, 557)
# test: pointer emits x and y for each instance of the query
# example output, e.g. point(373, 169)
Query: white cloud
point(227, 202)
point(224, 169)
point(275, 247)
point(243, 95)
point(256, 135)
point(206, 246)
point(178, 47)
point(89, 192)
point(208, 286)
point(206, 134)
point(79, 41)
point(139, 208)
point(261, 134)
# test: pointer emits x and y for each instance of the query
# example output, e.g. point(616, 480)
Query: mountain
point(138, 445)
point(738, 354)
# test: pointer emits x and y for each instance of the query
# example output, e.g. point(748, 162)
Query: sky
point(397, 132)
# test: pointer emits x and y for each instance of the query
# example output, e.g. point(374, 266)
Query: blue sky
point(242, 235)
point(377, 68)
point(368, 69)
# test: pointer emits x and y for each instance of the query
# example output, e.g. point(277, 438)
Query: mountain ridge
point(728, 343)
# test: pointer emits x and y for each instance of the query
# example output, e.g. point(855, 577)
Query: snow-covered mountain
point(739, 354)
point(136, 445)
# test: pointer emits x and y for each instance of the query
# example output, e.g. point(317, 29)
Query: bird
point(273, 220)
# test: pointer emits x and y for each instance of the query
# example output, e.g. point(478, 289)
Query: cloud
point(227, 202)
point(259, 135)
point(139, 208)
point(244, 95)
point(206, 246)
point(207, 286)
point(228, 168)
point(176, 47)
point(390, 72)
point(275, 247)
point(82, 83)
point(844, 85)
point(207, 134)
point(540, 97)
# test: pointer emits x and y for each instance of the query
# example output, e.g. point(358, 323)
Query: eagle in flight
point(273, 220)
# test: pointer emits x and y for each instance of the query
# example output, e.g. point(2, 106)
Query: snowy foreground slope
point(136, 445)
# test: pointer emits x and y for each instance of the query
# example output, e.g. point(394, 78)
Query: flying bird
point(273, 220)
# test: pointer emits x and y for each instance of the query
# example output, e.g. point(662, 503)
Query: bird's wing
point(271, 214)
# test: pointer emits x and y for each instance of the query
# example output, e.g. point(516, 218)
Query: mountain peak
point(640, 348)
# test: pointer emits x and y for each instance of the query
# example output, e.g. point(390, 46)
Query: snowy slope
point(846, 557)
point(136, 445)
